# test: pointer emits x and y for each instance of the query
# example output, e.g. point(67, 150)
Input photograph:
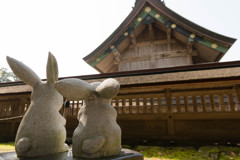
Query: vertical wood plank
point(203, 103)
point(138, 106)
point(230, 99)
point(130, 106)
point(178, 104)
point(168, 98)
point(117, 105)
point(213, 107)
point(124, 108)
point(185, 104)
point(222, 105)
point(144, 105)
point(194, 103)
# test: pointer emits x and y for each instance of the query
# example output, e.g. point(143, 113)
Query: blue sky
point(71, 29)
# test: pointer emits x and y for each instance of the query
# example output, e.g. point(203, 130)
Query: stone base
point(126, 154)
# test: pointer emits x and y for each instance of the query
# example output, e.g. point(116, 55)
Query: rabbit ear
point(52, 69)
point(26, 74)
point(108, 88)
point(74, 89)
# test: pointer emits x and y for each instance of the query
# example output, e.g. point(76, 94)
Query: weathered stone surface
point(79, 89)
point(98, 134)
point(108, 88)
point(125, 154)
point(42, 130)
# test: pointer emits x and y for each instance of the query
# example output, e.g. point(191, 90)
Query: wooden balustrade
point(165, 114)
point(174, 102)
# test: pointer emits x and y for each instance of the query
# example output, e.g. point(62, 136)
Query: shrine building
point(173, 87)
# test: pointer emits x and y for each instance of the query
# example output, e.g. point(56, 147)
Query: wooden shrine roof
point(206, 41)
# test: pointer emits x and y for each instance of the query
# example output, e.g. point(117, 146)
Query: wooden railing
point(12, 109)
point(211, 101)
point(166, 114)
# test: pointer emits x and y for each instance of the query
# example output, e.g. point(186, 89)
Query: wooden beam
point(189, 47)
point(190, 50)
point(151, 32)
point(169, 39)
point(150, 27)
point(154, 56)
point(117, 57)
point(164, 41)
point(133, 39)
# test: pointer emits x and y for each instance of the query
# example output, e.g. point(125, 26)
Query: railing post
point(213, 108)
point(223, 108)
point(203, 103)
point(168, 96)
point(238, 94)
point(178, 104)
point(194, 104)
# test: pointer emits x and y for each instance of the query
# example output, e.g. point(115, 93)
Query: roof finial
point(136, 2)
point(162, 2)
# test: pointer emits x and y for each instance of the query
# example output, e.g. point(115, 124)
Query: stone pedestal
point(126, 154)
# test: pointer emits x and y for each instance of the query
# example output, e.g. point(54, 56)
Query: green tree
point(6, 76)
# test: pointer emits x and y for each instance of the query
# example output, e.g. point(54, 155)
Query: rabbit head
point(42, 91)
point(76, 89)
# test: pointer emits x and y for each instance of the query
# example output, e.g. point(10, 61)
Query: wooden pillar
point(117, 105)
point(203, 103)
point(124, 107)
point(169, 39)
point(168, 96)
point(194, 104)
point(222, 105)
point(151, 32)
point(130, 106)
point(138, 106)
point(230, 100)
point(213, 107)
point(237, 87)
point(189, 51)
point(178, 104)
point(152, 106)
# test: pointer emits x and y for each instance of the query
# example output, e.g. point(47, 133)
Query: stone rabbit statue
point(41, 131)
point(98, 134)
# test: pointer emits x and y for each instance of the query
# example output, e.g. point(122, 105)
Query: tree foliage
point(6, 76)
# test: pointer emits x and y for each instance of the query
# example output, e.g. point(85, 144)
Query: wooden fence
point(202, 115)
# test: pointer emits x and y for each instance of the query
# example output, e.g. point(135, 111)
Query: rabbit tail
point(23, 145)
point(93, 145)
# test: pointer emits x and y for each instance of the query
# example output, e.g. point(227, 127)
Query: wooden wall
point(147, 56)
point(154, 48)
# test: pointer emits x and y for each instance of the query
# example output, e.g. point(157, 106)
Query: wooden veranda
point(203, 108)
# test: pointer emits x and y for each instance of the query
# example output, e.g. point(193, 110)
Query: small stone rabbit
point(41, 131)
point(98, 134)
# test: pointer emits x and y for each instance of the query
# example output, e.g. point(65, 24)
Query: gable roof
point(170, 19)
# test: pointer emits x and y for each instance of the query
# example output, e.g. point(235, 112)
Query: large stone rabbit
point(42, 130)
point(98, 134)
